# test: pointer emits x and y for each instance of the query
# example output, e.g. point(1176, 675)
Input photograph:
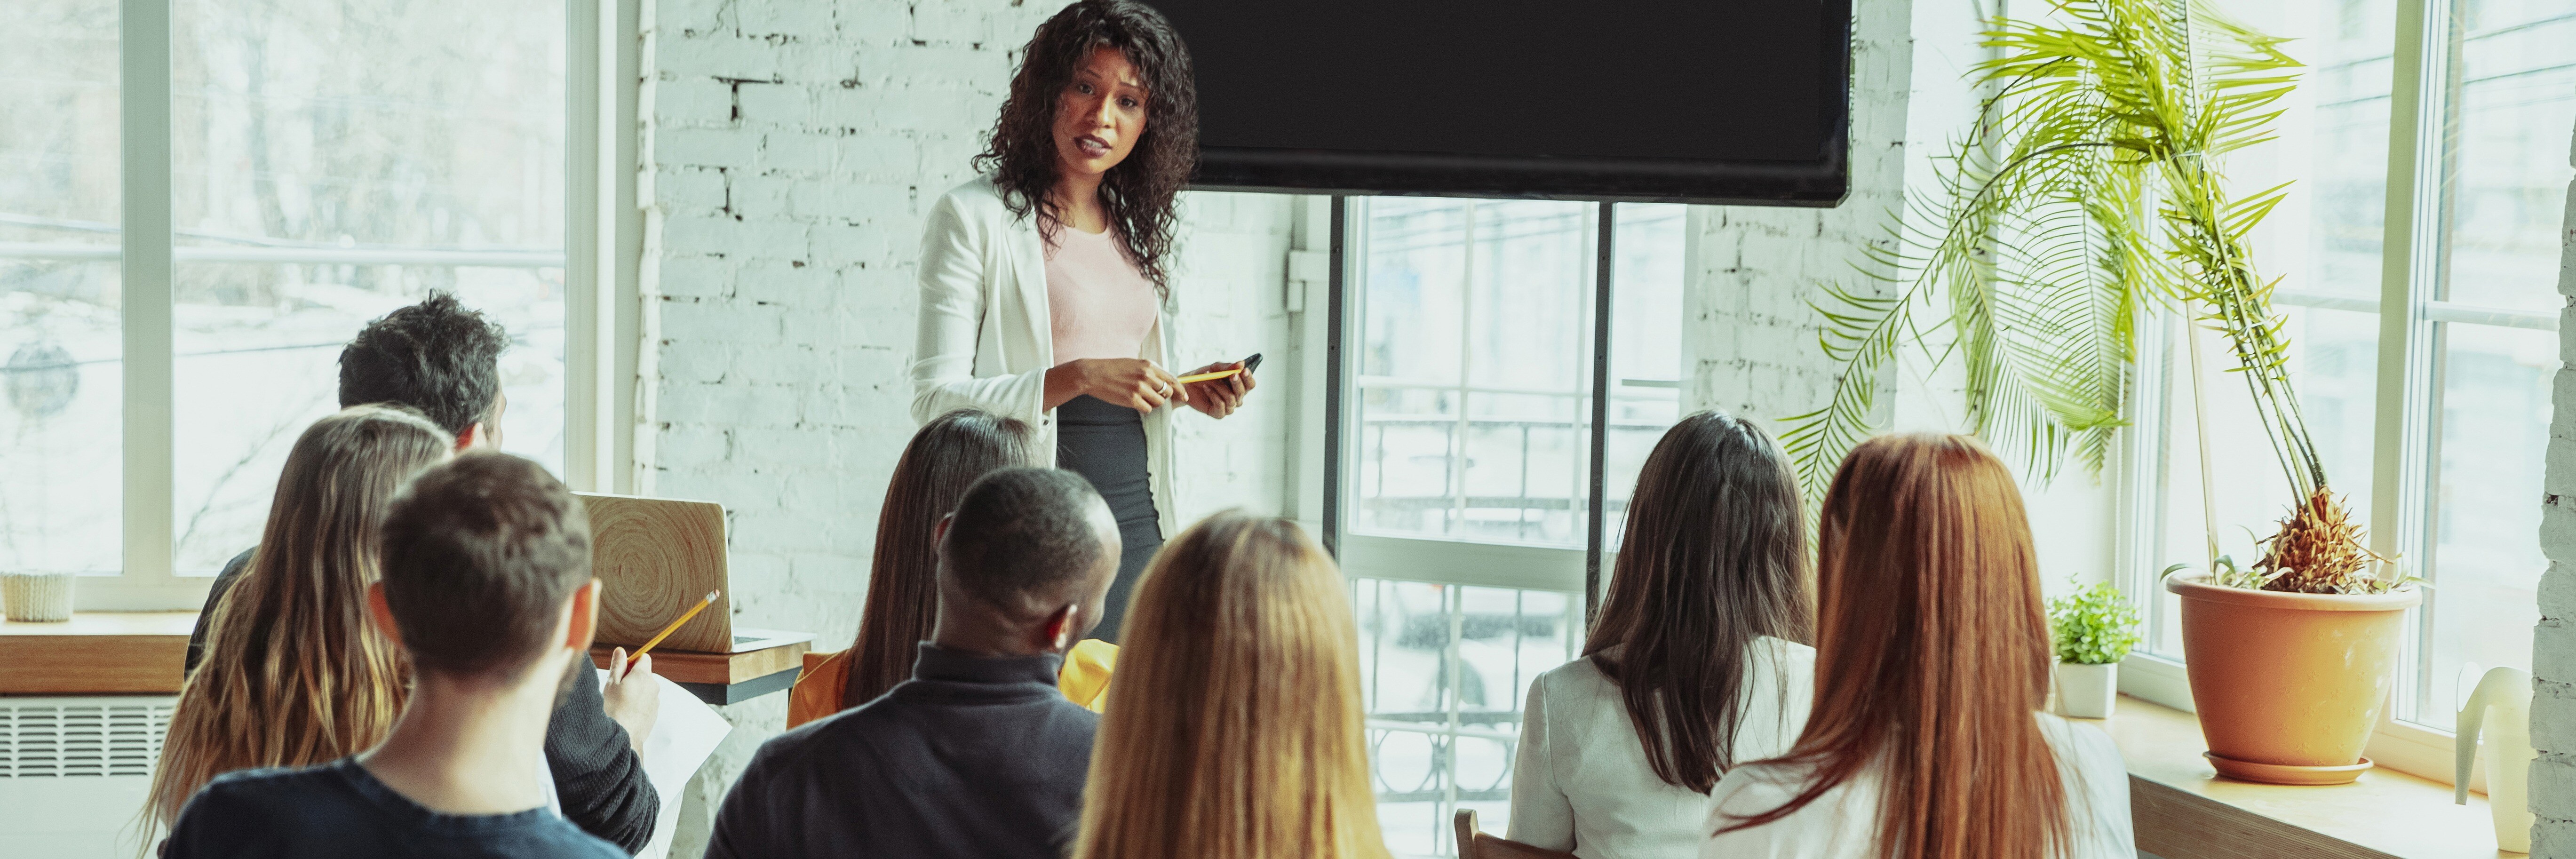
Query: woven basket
point(37, 597)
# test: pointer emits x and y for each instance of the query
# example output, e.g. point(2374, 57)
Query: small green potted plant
point(2093, 629)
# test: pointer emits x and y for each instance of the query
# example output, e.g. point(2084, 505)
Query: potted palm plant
point(2088, 194)
point(2092, 630)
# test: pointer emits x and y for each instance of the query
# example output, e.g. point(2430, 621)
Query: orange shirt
point(817, 693)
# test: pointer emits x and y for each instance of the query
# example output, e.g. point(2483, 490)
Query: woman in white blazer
point(1044, 282)
point(1932, 659)
point(1695, 664)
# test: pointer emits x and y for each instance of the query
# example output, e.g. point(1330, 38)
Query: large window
point(1469, 450)
point(61, 467)
point(2473, 264)
point(315, 164)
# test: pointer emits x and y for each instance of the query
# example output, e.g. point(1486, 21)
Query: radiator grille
point(58, 738)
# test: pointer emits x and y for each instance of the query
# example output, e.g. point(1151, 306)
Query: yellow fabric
point(1085, 676)
point(817, 693)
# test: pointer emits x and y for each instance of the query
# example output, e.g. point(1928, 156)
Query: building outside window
point(1468, 477)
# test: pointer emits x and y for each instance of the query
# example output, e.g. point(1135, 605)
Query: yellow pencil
point(1206, 376)
point(675, 625)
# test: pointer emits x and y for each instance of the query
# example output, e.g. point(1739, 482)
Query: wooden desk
point(96, 653)
point(110, 653)
point(719, 678)
point(2183, 810)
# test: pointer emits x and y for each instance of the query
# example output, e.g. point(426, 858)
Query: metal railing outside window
point(1481, 478)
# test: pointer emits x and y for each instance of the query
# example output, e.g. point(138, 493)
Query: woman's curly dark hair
point(1139, 192)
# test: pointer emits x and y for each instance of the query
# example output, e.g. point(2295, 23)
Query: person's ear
point(581, 617)
point(382, 613)
point(939, 532)
point(473, 437)
point(1062, 628)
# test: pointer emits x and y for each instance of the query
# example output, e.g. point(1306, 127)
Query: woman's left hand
point(1219, 397)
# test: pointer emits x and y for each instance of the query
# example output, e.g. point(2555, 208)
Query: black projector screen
point(1702, 101)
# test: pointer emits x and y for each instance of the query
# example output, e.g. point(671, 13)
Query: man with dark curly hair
point(443, 359)
point(439, 357)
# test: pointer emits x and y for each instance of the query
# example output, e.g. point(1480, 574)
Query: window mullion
point(1598, 483)
point(586, 368)
point(2410, 260)
point(2143, 446)
point(146, 293)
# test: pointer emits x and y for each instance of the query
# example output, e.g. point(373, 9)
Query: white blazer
point(1843, 822)
point(1581, 781)
point(986, 340)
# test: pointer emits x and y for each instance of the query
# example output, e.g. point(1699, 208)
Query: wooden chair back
point(1473, 843)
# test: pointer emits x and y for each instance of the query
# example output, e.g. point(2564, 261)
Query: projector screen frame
point(1819, 183)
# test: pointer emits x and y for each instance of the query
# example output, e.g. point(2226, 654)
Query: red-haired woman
point(1926, 740)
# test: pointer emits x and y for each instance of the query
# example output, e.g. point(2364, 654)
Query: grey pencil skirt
point(1106, 445)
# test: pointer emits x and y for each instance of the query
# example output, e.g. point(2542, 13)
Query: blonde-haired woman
point(1234, 728)
point(293, 674)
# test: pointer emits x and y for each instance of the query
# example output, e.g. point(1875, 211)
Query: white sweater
point(1581, 782)
point(1843, 823)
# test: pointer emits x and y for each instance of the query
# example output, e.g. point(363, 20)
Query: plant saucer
point(2285, 773)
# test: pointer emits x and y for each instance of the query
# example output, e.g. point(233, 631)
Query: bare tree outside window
point(332, 160)
point(61, 469)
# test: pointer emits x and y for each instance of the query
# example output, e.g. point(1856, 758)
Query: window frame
point(1445, 561)
point(603, 246)
point(2406, 419)
point(1329, 424)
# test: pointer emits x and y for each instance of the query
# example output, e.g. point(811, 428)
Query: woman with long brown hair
point(1697, 661)
point(947, 455)
point(293, 673)
point(1927, 740)
point(1234, 729)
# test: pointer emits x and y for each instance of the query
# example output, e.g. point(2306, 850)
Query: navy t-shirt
point(340, 809)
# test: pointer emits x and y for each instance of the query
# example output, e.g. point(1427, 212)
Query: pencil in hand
point(675, 625)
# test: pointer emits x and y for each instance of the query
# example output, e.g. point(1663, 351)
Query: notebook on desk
point(747, 639)
point(656, 557)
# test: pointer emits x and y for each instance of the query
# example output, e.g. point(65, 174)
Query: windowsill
point(96, 652)
point(2183, 810)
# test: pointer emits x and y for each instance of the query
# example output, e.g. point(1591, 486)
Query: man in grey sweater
point(978, 755)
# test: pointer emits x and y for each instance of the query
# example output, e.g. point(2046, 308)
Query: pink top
point(1098, 304)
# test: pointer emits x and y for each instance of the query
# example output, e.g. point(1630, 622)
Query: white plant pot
point(2087, 691)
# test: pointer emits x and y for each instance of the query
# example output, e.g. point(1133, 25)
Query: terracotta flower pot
point(2289, 686)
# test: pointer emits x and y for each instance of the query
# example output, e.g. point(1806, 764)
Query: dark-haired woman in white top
point(1695, 664)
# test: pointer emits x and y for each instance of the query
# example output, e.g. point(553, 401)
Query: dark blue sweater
point(972, 757)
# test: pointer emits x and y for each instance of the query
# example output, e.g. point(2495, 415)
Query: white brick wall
point(1748, 336)
point(2553, 657)
point(792, 147)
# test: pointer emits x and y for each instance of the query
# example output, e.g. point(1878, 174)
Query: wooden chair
point(1473, 843)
